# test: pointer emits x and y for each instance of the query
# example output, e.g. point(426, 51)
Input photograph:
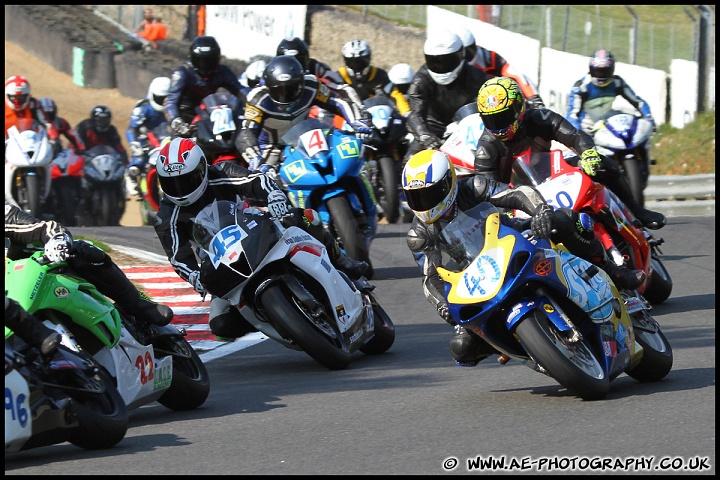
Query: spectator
point(155, 31)
point(147, 20)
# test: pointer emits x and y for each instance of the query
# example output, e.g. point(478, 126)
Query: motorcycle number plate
point(314, 142)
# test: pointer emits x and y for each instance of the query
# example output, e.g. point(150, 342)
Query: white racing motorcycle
point(282, 282)
point(28, 163)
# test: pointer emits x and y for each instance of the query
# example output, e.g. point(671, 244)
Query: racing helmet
point(47, 108)
point(296, 47)
point(444, 56)
point(182, 171)
point(468, 41)
point(17, 92)
point(430, 184)
point(285, 79)
point(401, 74)
point(502, 107)
point(101, 118)
point(158, 90)
point(602, 68)
point(205, 55)
point(356, 54)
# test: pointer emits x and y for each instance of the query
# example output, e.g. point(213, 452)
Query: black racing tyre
point(633, 175)
point(32, 200)
point(351, 238)
point(660, 284)
point(190, 385)
point(657, 359)
point(107, 207)
point(384, 332)
point(387, 192)
point(572, 364)
point(295, 324)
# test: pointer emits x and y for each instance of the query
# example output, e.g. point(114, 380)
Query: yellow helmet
point(430, 184)
point(502, 107)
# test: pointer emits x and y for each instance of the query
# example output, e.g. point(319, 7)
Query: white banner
point(247, 31)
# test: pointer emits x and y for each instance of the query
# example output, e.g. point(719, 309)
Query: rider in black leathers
point(535, 129)
point(87, 261)
point(433, 104)
point(223, 181)
point(30, 328)
point(561, 225)
point(194, 80)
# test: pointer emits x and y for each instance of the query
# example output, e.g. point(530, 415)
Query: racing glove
point(444, 312)
point(58, 247)
point(136, 150)
point(277, 204)
point(430, 141)
point(180, 128)
point(535, 102)
point(541, 223)
point(590, 162)
point(362, 131)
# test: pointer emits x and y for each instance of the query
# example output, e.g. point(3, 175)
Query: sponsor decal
point(543, 268)
point(61, 292)
point(548, 308)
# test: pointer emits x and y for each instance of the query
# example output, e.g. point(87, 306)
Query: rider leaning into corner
point(511, 128)
point(436, 195)
point(189, 184)
point(592, 97)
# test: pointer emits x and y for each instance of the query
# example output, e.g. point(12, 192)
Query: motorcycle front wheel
point(287, 314)
point(633, 174)
point(572, 364)
point(660, 284)
point(190, 385)
point(384, 332)
point(351, 238)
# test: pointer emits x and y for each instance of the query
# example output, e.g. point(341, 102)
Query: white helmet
point(157, 92)
point(468, 40)
point(401, 74)
point(182, 171)
point(253, 72)
point(444, 56)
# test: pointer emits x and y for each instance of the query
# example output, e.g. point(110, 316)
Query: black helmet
point(298, 48)
point(284, 78)
point(205, 55)
point(101, 117)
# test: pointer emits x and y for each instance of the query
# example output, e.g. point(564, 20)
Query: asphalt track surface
point(275, 411)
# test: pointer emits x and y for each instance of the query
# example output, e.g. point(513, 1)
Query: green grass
point(686, 151)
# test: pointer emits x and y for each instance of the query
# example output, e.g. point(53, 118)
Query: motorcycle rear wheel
point(190, 385)
point(387, 189)
point(572, 364)
point(657, 359)
point(290, 319)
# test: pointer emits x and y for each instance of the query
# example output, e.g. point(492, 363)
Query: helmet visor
point(205, 65)
point(102, 124)
point(426, 198)
point(183, 185)
point(159, 99)
point(444, 63)
point(287, 92)
point(357, 64)
point(18, 101)
point(503, 119)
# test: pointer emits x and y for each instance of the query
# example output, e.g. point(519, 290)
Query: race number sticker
point(222, 118)
point(314, 142)
point(225, 247)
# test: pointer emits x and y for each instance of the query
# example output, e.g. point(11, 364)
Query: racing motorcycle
point(323, 169)
point(147, 362)
point(28, 159)
point(282, 282)
point(625, 138)
point(547, 309)
point(65, 398)
point(103, 202)
point(626, 241)
point(218, 125)
point(66, 173)
point(461, 138)
point(384, 153)
point(148, 184)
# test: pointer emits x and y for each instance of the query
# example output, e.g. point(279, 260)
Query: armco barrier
point(681, 195)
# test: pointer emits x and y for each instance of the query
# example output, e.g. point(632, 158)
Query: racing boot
point(622, 277)
point(226, 322)
point(99, 269)
point(30, 329)
point(468, 349)
point(650, 219)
